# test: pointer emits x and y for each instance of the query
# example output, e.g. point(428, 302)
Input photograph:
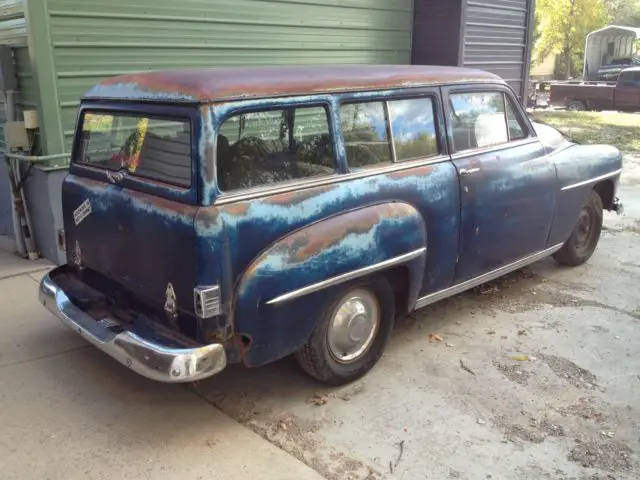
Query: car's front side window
point(477, 120)
point(264, 147)
point(483, 119)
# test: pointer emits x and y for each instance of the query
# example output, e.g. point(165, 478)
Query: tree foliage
point(562, 27)
point(624, 12)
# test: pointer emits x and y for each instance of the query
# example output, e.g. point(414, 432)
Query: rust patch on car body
point(297, 196)
point(206, 147)
point(309, 242)
point(410, 172)
point(163, 204)
point(237, 209)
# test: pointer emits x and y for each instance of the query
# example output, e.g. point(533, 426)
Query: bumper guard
point(617, 206)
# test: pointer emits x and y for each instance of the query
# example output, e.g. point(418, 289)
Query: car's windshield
point(154, 148)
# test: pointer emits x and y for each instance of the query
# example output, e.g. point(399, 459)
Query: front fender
point(311, 262)
point(579, 168)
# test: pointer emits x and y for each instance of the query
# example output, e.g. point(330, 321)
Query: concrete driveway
point(69, 412)
point(534, 376)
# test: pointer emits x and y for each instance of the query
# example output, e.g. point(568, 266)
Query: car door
point(507, 183)
point(627, 93)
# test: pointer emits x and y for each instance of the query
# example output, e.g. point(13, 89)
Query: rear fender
point(281, 293)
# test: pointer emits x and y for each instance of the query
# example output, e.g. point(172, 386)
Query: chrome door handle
point(468, 171)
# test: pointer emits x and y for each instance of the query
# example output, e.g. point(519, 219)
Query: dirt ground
point(534, 376)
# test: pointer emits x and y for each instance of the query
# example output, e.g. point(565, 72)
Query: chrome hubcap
point(354, 325)
point(584, 227)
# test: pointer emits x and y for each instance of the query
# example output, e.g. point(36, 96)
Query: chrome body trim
point(468, 171)
point(345, 277)
point(147, 358)
point(592, 180)
point(486, 277)
point(389, 121)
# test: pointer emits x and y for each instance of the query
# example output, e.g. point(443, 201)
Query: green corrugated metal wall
point(94, 39)
point(13, 32)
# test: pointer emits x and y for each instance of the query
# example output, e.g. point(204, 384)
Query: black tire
point(316, 358)
point(585, 235)
point(576, 106)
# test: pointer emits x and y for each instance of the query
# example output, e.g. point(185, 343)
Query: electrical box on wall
point(7, 70)
point(16, 135)
point(30, 119)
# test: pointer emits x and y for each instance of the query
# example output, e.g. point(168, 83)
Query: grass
point(622, 130)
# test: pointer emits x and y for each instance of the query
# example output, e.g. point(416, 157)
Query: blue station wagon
point(246, 214)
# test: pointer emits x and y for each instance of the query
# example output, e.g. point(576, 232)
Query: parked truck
point(621, 95)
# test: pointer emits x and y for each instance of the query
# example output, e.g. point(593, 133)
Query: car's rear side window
point(413, 128)
point(263, 147)
point(154, 148)
point(383, 132)
point(365, 133)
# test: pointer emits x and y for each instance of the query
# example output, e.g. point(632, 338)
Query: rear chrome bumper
point(147, 358)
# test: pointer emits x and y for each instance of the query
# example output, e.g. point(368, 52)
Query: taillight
point(206, 301)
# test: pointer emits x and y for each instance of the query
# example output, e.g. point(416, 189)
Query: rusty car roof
point(208, 85)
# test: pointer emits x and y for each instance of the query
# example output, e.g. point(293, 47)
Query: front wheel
point(585, 235)
point(351, 333)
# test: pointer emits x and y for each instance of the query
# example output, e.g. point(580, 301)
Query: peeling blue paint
point(104, 197)
point(207, 166)
point(360, 247)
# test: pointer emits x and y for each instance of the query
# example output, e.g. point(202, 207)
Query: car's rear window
point(154, 148)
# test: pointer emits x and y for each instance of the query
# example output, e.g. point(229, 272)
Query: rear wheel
point(576, 106)
point(351, 333)
point(585, 235)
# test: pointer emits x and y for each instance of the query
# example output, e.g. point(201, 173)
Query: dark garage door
point(496, 38)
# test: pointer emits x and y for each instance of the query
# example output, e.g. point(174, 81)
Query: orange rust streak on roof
point(225, 83)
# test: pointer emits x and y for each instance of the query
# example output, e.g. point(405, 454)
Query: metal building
point(492, 35)
point(62, 47)
point(609, 46)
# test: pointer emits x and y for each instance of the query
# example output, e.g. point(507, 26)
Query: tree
point(563, 26)
point(624, 12)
